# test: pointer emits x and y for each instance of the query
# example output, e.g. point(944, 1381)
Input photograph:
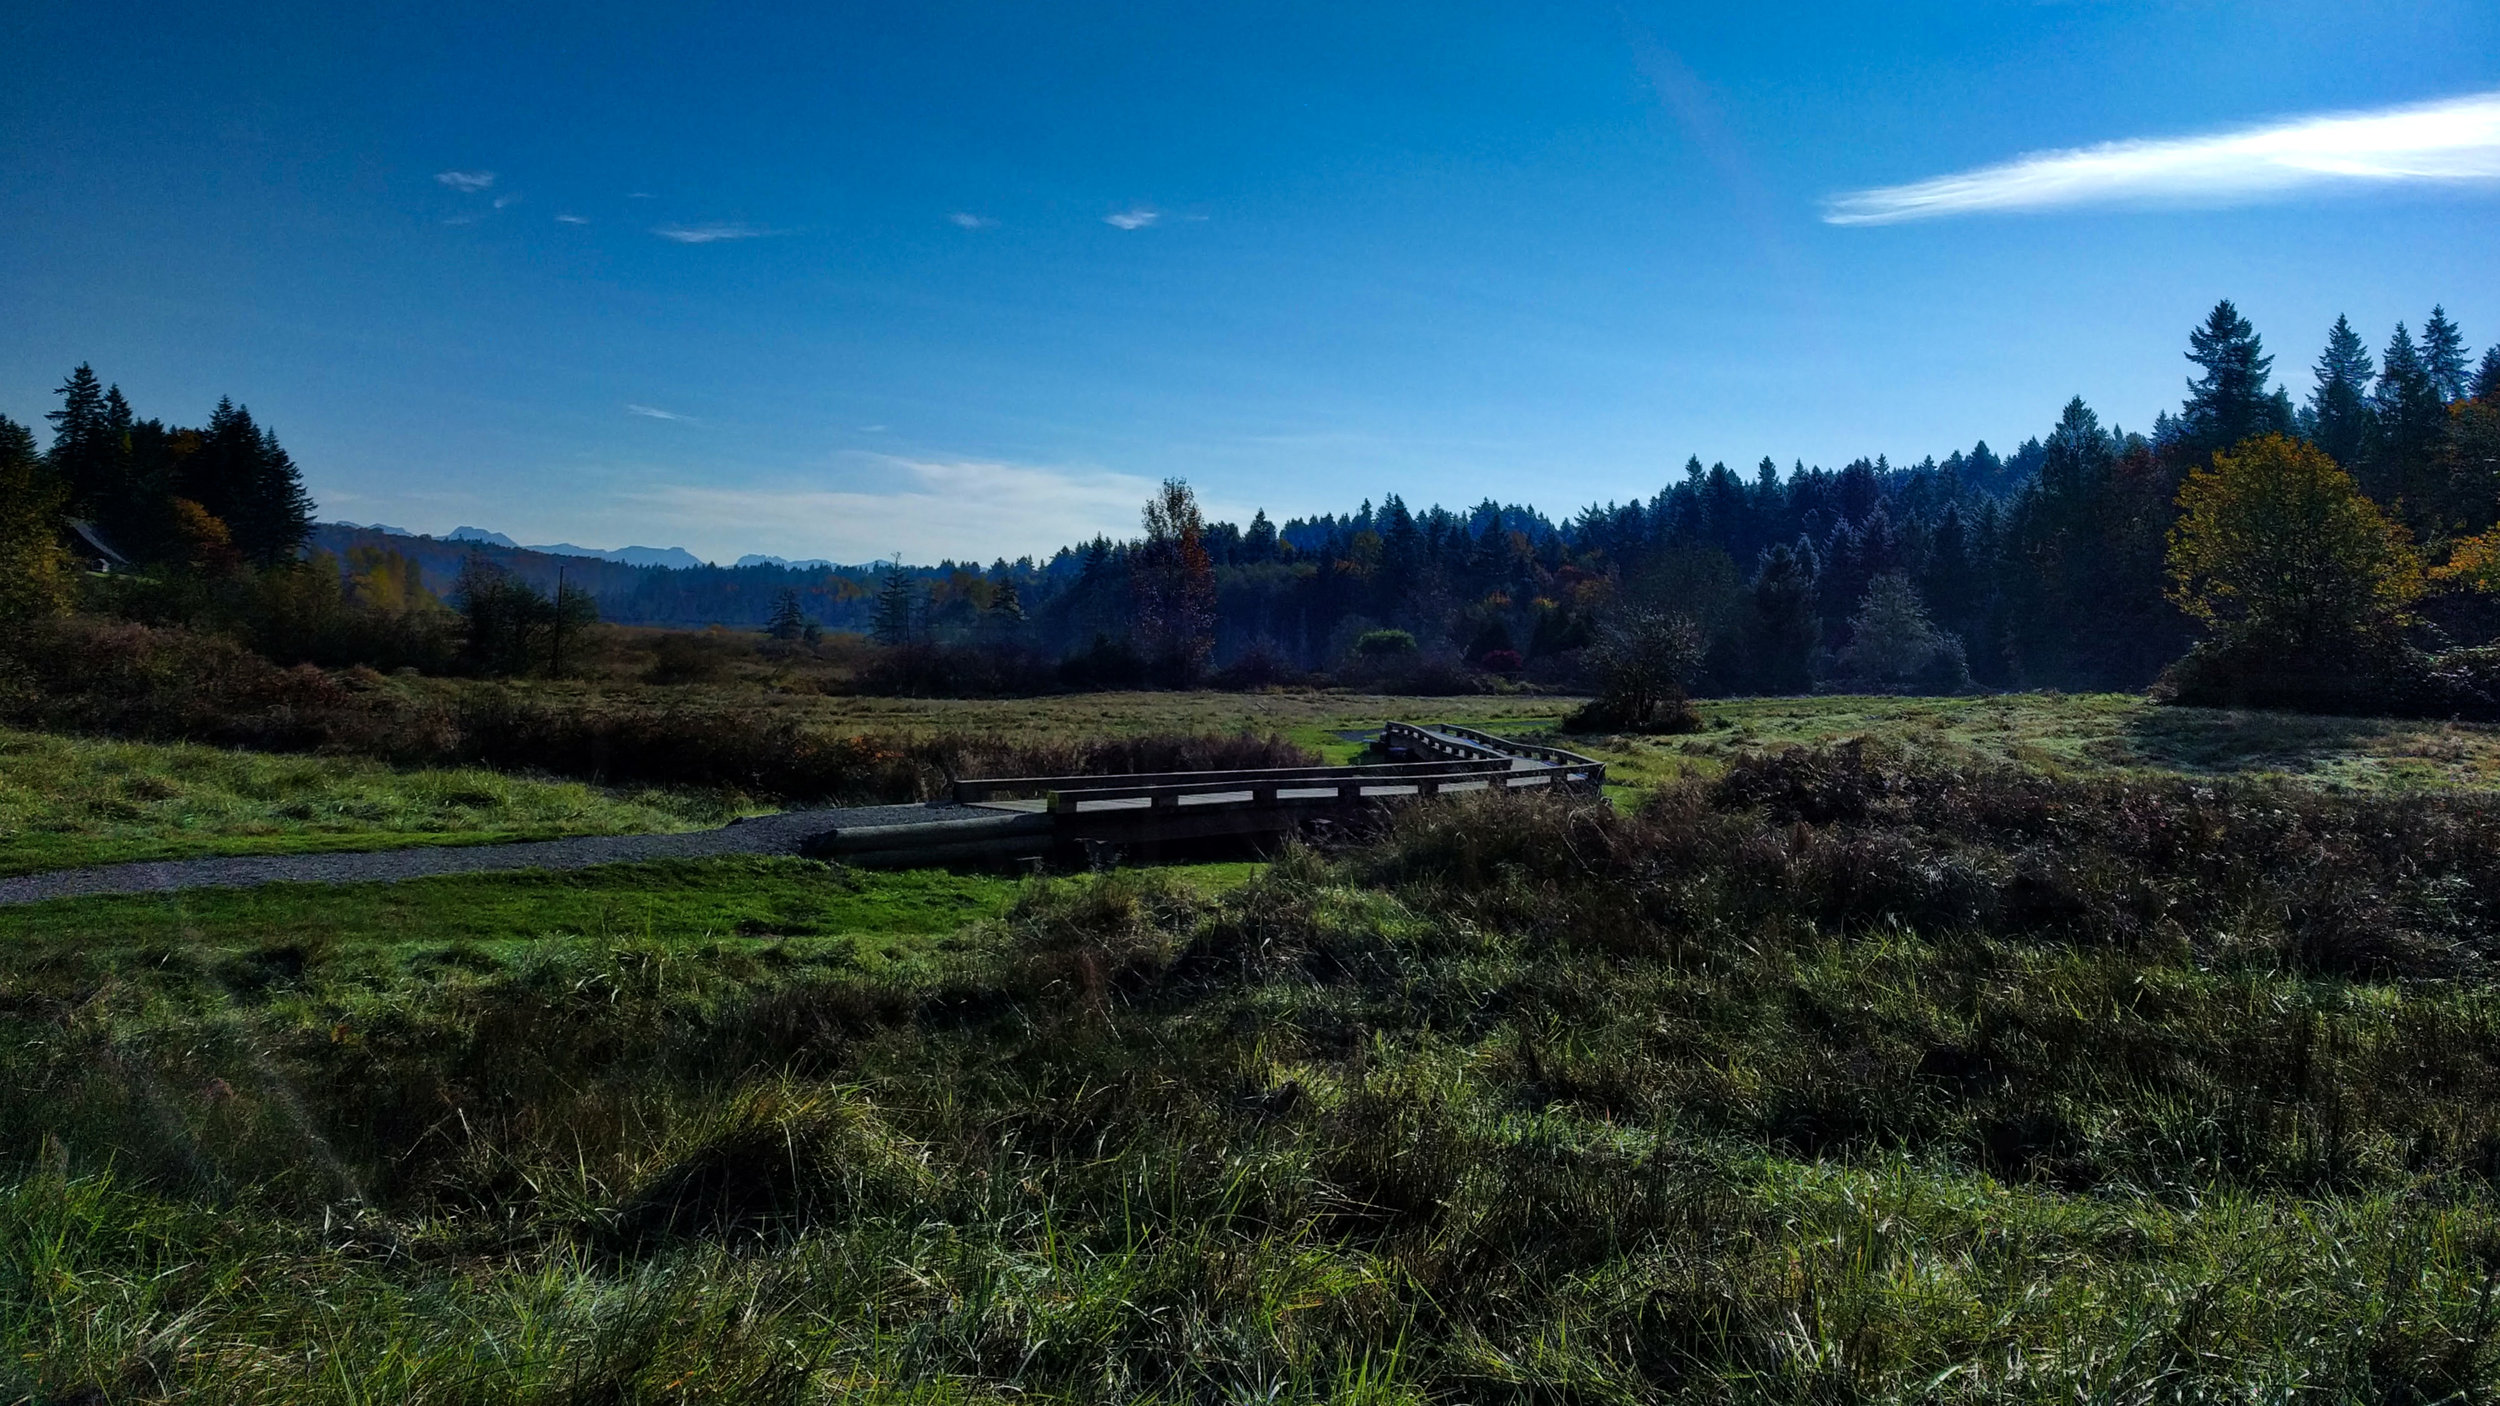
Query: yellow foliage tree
point(2472, 456)
point(2276, 546)
point(206, 544)
point(34, 571)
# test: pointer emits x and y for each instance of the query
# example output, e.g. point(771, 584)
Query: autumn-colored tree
point(2276, 547)
point(2473, 461)
point(202, 540)
point(34, 571)
point(1173, 577)
point(2469, 464)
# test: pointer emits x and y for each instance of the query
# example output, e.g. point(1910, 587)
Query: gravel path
point(763, 834)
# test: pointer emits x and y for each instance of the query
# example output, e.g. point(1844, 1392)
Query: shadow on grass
point(2223, 741)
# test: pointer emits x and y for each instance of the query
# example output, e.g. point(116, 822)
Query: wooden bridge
point(1069, 817)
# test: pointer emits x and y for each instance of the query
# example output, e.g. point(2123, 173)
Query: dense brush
point(1839, 1077)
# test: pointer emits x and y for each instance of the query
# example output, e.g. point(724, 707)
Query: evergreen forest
point(2052, 564)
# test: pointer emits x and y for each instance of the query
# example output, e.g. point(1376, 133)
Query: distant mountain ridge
point(674, 558)
point(634, 592)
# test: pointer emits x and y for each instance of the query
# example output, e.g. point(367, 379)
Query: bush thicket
point(81, 674)
point(1836, 1078)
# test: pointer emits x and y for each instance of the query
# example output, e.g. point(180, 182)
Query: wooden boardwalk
point(1072, 819)
point(1034, 817)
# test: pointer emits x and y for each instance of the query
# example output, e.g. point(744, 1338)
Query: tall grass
point(68, 801)
point(114, 679)
point(1842, 1077)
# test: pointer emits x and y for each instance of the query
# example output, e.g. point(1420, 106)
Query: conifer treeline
point(2043, 567)
point(222, 493)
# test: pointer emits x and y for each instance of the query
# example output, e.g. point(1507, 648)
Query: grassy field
point(67, 802)
point(1846, 1077)
point(75, 801)
point(1313, 718)
point(699, 906)
point(2080, 734)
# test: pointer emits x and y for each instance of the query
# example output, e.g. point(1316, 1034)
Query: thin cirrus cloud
point(710, 233)
point(572, 220)
point(965, 219)
point(653, 412)
point(1137, 218)
point(470, 181)
point(2452, 141)
point(931, 509)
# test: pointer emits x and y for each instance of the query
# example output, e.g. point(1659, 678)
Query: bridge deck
point(979, 824)
point(1040, 814)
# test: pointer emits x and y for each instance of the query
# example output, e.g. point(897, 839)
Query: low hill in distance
point(633, 585)
point(674, 557)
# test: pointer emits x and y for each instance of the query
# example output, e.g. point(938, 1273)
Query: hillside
point(740, 596)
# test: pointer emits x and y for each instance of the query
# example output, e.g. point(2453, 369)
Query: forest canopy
point(2088, 557)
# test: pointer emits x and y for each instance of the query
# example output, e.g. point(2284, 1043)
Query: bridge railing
point(969, 792)
point(1530, 750)
point(1462, 759)
point(1338, 789)
point(1433, 742)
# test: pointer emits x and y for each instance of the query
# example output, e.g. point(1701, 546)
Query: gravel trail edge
point(784, 833)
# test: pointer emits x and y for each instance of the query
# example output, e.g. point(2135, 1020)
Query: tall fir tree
point(1258, 542)
point(1781, 623)
point(278, 521)
point(2487, 378)
point(2411, 423)
point(2444, 357)
point(245, 479)
point(2341, 418)
point(788, 620)
point(2230, 402)
point(85, 456)
point(898, 608)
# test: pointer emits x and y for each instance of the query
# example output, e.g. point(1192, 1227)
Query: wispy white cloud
point(462, 219)
point(2454, 140)
point(711, 233)
point(471, 181)
point(655, 413)
point(640, 195)
point(965, 509)
point(572, 220)
point(503, 200)
point(967, 220)
point(1136, 218)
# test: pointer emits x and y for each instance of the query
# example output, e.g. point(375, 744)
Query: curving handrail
point(1315, 790)
point(968, 791)
point(1461, 759)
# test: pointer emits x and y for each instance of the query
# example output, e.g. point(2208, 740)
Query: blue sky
point(965, 280)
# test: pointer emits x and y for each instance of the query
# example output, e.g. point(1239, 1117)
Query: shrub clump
point(777, 1158)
